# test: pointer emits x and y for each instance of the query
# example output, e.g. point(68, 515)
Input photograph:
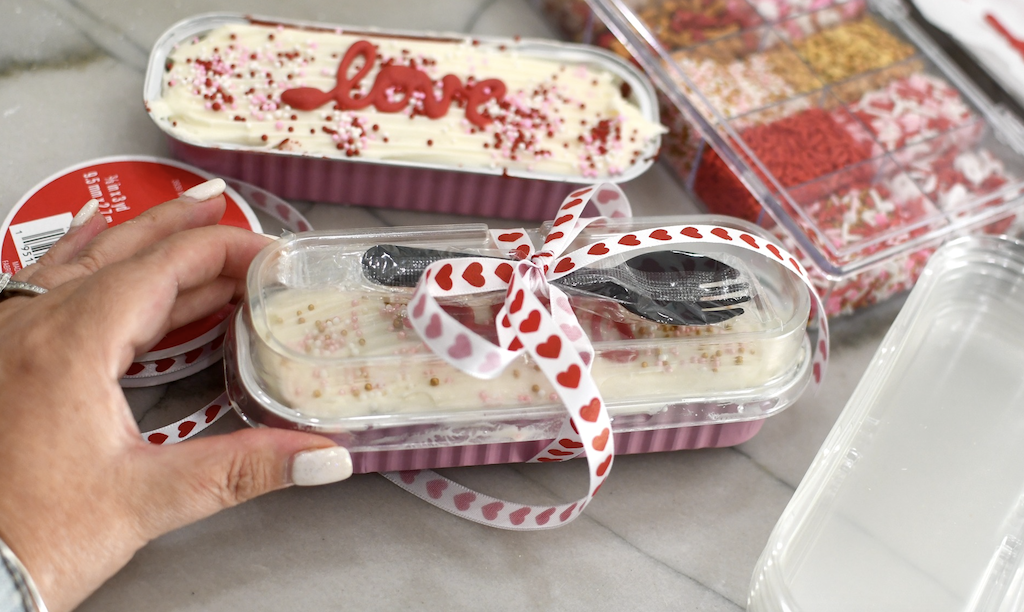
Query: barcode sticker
point(34, 238)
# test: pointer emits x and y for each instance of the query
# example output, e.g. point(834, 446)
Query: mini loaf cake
point(335, 351)
point(455, 102)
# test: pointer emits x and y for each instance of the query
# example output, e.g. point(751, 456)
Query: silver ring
point(11, 288)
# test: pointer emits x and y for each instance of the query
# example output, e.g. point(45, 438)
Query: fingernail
point(271, 236)
point(82, 216)
point(321, 466)
point(205, 191)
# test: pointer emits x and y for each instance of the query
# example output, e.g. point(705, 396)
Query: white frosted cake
point(453, 101)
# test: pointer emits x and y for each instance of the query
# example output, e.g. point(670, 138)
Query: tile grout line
point(105, 36)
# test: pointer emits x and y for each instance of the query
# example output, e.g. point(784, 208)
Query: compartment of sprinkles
point(493, 127)
point(838, 125)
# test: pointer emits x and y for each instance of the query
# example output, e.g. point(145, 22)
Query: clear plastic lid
point(916, 499)
point(846, 123)
point(328, 343)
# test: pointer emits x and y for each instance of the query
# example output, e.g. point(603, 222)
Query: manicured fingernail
point(88, 211)
point(205, 191)
point(271, 236)
point(321, 466)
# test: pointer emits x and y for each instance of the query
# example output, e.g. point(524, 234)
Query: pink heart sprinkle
point(462, 348)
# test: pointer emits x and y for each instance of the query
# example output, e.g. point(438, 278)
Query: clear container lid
point(328, 342)
point(847, 124)
point(916, 499)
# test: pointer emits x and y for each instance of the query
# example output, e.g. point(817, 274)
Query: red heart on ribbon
point(551, 348)
point(434, 327)
point(522, 251)
point(598, 249)
point(543, 517)
point(193, 355)
point(749, 240)
point(444, 277)
point(629, 240)
point(474, 274)
point(504, 272)
point(463, 500)
point(505, 322)
point(817, 373)
point(515, 345)
point(517, 302)
point(581, 192)
point(517, 517)
point(560, 453)
point(563, 219)
point(491, 510)
point(590, 412)
point(512, 237)
point(569, 378)
point(185, 428)
point(601, 440)
point(157, 438)
point(607, 195)
point(691, 232)
point(571, 203)
point(164, 364)
point(531, 324)
point(436, 487)
point(408, 476)
point(548, 459)
point(774, 250)
point(567, 513)
point(553, 236)
point(721, 233)
point(134, 369)
point(211, 413)
point(660, 234)
point(567, 443)
point(601, 469)
point(564, 265)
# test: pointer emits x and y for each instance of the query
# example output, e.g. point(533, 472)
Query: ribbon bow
point(551, 334)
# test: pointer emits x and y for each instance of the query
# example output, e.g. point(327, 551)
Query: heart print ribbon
point(537, 319)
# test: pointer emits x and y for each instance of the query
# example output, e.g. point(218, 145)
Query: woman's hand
point(80, 491)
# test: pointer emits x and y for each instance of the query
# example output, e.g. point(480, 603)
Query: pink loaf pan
point(501, 192)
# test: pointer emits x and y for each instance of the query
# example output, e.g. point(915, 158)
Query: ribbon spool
point(538, 319)
point(147, 373)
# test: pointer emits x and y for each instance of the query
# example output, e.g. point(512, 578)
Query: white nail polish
point(321, 466)
point(82, 216)
point(204, 191)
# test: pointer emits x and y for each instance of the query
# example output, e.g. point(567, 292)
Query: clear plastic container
point(838, 126)
point(915, 500)
point(320, 346)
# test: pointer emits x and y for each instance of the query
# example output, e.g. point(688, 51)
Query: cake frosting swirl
point(457, 102)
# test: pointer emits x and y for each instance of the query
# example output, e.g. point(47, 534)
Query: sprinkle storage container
point(838, 126)
point(322, 345)
point(441, 123)
point(914, 499)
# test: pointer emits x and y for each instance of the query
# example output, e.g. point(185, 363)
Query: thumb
point(186, 482)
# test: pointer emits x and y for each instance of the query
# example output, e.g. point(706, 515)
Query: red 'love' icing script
point(396, 87)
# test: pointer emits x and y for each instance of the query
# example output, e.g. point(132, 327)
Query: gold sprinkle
point(535, 388)
point(368, 386)
point(302, 320)
point(311, 307)
point(434, 382)
point(718, 353)
point(344, 332)
point(515, 373)
point(396, 323)
point(362, 342)
point(738, 360)
point(316, 393)
point(298, 313)
point(643, 364)
point(277, 319)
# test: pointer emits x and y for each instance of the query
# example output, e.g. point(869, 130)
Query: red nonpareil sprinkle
point(796, 149)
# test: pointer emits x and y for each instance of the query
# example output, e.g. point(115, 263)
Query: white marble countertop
point(668, 531)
